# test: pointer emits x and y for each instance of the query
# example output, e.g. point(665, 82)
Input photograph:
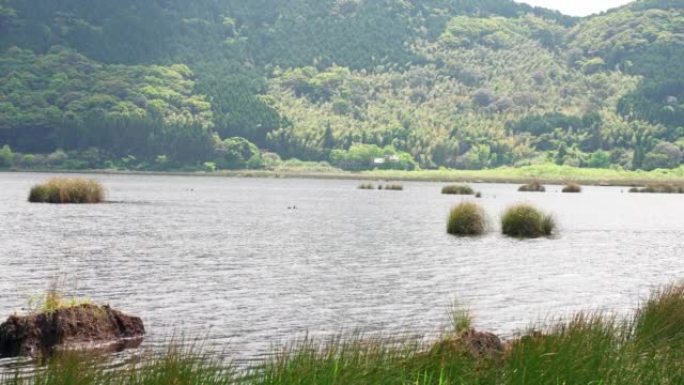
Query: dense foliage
point(360, 84)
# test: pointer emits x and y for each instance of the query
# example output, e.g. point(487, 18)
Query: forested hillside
point(169, 84)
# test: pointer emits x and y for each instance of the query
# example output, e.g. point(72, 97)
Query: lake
point(249, 264)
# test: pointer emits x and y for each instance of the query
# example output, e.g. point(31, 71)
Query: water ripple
point(224, 260)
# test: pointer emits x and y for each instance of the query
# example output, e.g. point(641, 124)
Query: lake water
point(225, 260)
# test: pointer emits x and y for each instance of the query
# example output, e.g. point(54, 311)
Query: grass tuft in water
point(532, 187)
point(466, 219)
point(658, 189)
point(458, 189)
point(461, 318)
point(572, 188)
point(52, 301)
point(67, 190)
point(525, 221)
point(393, 187)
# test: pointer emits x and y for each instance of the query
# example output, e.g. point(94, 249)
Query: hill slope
point(455, 83)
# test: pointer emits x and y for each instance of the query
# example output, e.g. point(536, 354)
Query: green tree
point(328, 138)
point(643, 136)
point(561, 154)
point(599, 159)
point(237, 153)
point(663, 155)
point(6, 157)
point(370, 156)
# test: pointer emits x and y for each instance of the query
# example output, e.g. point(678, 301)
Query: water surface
point(233, 262)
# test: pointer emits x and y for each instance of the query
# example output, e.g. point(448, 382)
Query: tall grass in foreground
point(177, 367)
point(67, 190)
point(660, 321)
point(585, 349)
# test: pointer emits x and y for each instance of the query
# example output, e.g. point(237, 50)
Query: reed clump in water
point(67, 190)
point(658, 189)
point(532, 187)
point(572, 188)
point(466, 219)
point(393, 187)
point(52, 301)
point(458, 189)
point(525, 221)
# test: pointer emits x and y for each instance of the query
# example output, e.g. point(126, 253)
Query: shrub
point(525, 221)
point(466, 219)
point(237, 153)
point(28, 160)
point(664, 155)
point(209, 167)
point(532, 187)
point(458, 190)
point(599, 159)
point(572, 188)
point(67, 190)
point(57, 158)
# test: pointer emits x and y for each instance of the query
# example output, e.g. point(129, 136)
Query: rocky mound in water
point(79, 326)
point(477, 344)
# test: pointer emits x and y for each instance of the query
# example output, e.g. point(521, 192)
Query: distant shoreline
point(544, 174)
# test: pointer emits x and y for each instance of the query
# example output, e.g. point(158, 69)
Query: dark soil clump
point(40, 334)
